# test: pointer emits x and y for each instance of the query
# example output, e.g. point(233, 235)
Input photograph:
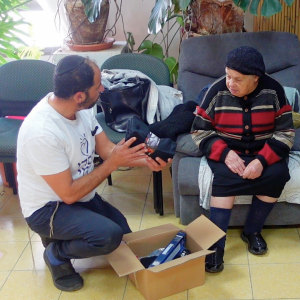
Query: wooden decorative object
point(82, 31)
point(215, 17)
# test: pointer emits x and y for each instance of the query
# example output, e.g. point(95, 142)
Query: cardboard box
point(171, 277)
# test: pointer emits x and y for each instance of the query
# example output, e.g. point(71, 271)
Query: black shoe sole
point(245, 239)
point(214, 269)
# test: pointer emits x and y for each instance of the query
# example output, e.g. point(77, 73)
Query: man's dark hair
point(73, 74)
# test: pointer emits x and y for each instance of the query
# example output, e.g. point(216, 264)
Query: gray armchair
point(201, 62)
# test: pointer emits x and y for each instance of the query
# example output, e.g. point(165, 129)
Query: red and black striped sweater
point(259, 123)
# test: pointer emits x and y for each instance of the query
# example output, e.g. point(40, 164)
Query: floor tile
point(3, 277)
point(280, 281)
point(168, 202)
point(166, 184)
point(128, 185)
point(127, 203)
point(12, 208)
point(14, 229)
point(25, 285)
point(134, 221)
point(5, 194)
point(283, 245)
point(10, 252)
point(150, 220)
point(31, 258)
point(236, 232)
point(235, 251)
point(101, 284)
point(135, 171)
point(232, 283)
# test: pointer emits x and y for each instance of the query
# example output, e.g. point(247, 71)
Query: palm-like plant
point(9, 32)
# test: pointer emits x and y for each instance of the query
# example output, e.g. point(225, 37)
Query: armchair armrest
point(186, 145)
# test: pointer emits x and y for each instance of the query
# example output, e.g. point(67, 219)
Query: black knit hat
point(246, 60)
point(68, 63)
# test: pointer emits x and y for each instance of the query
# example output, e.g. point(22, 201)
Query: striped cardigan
point(259, 123)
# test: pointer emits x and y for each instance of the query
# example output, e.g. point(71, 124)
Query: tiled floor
point(23, 274)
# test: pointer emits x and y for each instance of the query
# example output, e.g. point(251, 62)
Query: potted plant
point(197, 17)
point(10, 19)
point(88, 20)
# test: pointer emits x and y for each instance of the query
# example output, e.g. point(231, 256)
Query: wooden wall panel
point(288, 20)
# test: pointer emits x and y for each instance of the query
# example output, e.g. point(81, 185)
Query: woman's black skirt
point(270, 183)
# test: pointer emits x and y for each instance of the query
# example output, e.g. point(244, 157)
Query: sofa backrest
point(202, 59)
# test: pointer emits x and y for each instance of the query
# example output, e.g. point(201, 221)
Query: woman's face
point(239, 84)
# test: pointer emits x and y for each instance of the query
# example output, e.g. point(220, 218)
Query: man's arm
point(104, 148)
point(114, 156)
point(70, 190)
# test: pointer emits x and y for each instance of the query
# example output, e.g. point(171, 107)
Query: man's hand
point(123, 155)
point(253, 170)
point(158, 164)
point(235, 163)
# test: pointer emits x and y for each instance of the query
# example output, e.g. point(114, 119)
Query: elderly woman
point(244, 127)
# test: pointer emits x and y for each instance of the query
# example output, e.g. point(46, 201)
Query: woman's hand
point(253, 170)
point(235, 163)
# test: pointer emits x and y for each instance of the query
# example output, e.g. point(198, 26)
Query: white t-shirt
point(48, 144)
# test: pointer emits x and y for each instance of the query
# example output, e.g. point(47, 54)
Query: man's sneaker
point(214, 262)
point(256, 243)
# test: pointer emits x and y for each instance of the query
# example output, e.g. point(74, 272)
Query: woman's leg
point(220, 211)
point(260, 208)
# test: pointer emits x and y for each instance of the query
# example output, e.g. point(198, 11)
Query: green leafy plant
point(154, 49)
point(92, 9)
point(268, 9)
point(10, 19)
point(30, 52)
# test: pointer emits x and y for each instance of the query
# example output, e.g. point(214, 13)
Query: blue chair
point(159, 72)
point(22, 84)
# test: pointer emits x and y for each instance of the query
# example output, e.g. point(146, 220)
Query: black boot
point(214, 262)
point(256, 243)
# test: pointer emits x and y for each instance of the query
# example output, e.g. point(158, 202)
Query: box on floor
point(171, 277)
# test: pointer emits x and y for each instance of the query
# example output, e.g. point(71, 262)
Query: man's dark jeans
point(83, 229)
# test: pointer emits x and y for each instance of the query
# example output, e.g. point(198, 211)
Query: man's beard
point(88, 102)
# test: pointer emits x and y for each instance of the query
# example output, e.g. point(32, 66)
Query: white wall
point(136, 15)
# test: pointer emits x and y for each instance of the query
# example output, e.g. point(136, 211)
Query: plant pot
point(215, 17)
point(81, 30)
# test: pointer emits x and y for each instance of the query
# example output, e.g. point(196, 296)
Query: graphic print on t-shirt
point(85, 165)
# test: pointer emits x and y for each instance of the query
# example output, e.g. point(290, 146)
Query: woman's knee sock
point(259, 211)
point(220, 217)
